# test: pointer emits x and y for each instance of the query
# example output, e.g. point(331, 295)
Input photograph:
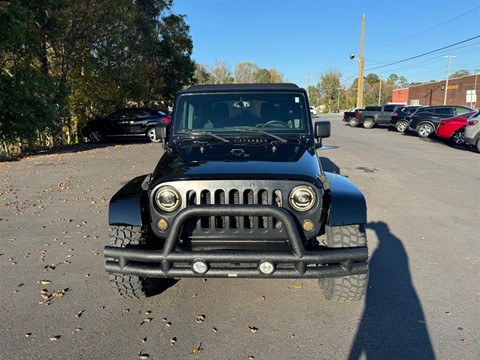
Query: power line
point(416, 56)
point(426, 30)
point(424, 54)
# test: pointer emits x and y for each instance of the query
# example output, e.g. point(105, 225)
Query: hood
point(285, 162)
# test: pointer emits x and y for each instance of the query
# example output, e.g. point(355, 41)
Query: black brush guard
point(297, 263)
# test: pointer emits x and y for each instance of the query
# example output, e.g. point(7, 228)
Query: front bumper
point(295, 263)
point(470, 142)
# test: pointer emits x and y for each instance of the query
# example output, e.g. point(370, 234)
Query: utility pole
point(308, 82)
point(446, 82)
point(338, 98)
point(380, 90)
point(360, 68)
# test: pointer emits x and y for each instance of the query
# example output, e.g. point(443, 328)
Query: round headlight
point(302, 198)
point(167, 199)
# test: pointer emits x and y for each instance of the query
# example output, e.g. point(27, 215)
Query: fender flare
point(127, 206)
point(347, 203)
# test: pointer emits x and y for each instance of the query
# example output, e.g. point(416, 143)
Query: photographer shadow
point(393, 324)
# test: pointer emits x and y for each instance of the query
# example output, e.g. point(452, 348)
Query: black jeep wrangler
point(239, 193)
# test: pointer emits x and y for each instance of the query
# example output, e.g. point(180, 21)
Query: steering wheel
point(275, 123)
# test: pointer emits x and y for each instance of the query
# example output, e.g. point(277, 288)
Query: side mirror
point(322, 130)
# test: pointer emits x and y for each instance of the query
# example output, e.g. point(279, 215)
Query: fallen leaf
point(55, 338)
point(297, 286)
point(147, 320)
point(197, 350)
point(77, 330)
point(252, 329)
point(44, 282)
point(251, 357)
point(144, 340)
point(143, 356)
point(200, 319)
point(27, 335)
point(214, 329)
point(173, 341)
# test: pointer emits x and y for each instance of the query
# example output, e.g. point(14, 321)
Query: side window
point(443, 111)
point(140, 114)
point(389, 108)
point(460, 110)
point(116, 116)
point(127, 115)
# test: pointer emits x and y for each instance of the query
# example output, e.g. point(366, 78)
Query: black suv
point(239, 193)
point(426, 120)
point(399, 119)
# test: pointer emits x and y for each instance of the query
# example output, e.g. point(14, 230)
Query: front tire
point(95, 136)
point(425, 130)
point(458, 138)
point(345, 288)
point(130, 286)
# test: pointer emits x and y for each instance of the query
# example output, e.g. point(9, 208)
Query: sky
point(304, 39)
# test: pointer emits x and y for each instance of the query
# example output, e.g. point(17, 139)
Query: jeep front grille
point(247, 196)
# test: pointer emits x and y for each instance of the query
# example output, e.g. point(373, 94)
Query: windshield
point(226, 112)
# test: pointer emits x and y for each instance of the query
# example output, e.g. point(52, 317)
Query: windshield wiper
point(201, 133)
point(258, 131)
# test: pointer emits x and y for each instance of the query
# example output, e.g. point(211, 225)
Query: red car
point(452, 128)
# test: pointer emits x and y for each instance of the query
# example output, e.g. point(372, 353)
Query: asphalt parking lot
point(423, 229)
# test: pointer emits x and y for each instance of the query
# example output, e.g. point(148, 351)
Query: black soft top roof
point(242, 87)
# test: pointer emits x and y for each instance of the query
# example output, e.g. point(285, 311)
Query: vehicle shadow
point(393, 324)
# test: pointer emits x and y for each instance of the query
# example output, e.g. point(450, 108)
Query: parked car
point(313, 111)
point(452, 129)
point(377, 115)
point(399, 119)
point(126, 123)
point(472, 131)
point(425, 121)
point(351, 116)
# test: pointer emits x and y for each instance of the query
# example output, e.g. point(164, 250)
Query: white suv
point(472, 131)
point(313, 111)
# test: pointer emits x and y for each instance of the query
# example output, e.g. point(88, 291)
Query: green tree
point(329, 87)
point(202, 75)
point(460, 73)
point(262, 76)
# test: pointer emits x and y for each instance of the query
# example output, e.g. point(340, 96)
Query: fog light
point(308, 225)
point(266, 267)
point(162, 225)
point(200, 267)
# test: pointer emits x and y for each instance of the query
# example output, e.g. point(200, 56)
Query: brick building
point(461, 91)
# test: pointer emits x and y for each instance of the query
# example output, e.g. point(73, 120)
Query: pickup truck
point(376, 115)
point(351, 116)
